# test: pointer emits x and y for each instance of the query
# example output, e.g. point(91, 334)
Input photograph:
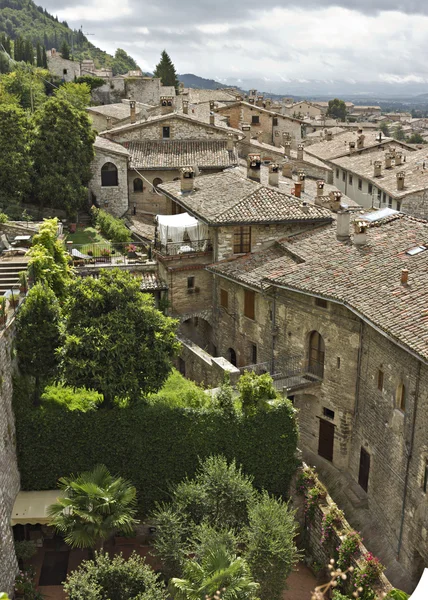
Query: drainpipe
point(409, 458)
point(273, 333)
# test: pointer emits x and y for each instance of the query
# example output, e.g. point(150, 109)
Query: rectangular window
point(398, 205)
point(389, 202)
point(242, 240)
point(370, 188)
point(425, 483)
point(360, 184)
point(224, 298)
point(379, 195)
point(328, 413)
point(380, 380)
point(166, 132)
point(249, 304)
point(253, 354)
point(255, 119)
point(400, 397)
point(338, 362)
point(275, 121)
point(364, 472)
point(64, 72)
point(350, 179)
point(337, 173)
point(384, 197)
point(343, 176)
point(321, 302)
point(190, 283)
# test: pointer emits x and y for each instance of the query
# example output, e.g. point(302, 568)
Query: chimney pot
point(360, 232)
point(297, 189)
point(187, 178)
point(328, 135)
point(133, 115)
point(287, 149)
point(377, 168)
point(404, 276)
point(212, 118)
point(254, 162)
point(274, 175)
point(305, 206)
point(108, 119)
point(351, 146)
point(301, 178)
point(211, 104)
point(343, 221)
point(388, 160)
point(401, 175)
point(398, 158)
point(185, 107)
point(320, 187)
point(300, 152)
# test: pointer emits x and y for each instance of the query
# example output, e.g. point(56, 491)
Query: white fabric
point(31, 507)
point(174, 227)
point(421, 592)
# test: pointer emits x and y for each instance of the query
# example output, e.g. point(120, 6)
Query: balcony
point(183, 247)
point(290, 374)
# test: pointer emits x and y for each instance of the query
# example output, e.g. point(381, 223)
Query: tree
point(122, 63)
point(224, 398)
point(219, 569)
point(255, 392)
point(92, 82)
point(62, 151)
point(337, 109)
point(116, 341)
point(114, 578)
point(78, 94)
point(416, 138)
point(44, 58)
point(166, 71)
point(15, 165)
point(93, 505)
point(398, 133)
point(384, 128)
point(65, 50)
point(27, 86)
point(38, 335)
point(271, 552)
point(39, 56)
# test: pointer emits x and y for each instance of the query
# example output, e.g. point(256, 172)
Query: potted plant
point(131, 251)
point(24, 586)
point(23, 282)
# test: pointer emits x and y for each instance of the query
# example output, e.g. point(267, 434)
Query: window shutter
point(249, 304)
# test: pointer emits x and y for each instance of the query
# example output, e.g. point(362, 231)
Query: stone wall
point(198, 365)
point(143, 89)
point(113, 199)
point(180, 129)
point(112, 91)
point(416, 205)
point(63, 68)
point(9, 475)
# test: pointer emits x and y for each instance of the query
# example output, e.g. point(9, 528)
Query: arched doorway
point(316, 354)
point(231, 356)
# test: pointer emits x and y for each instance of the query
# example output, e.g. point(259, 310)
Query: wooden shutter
point(249, 304)
point(224, 298)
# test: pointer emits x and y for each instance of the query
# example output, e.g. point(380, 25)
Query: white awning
point(421, 592)
point(173, 227)
point(30, 508)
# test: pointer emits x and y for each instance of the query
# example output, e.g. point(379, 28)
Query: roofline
point(247, 285)
point(234, 164)
point(355, 311)
point(118, 152)
point(271, 112)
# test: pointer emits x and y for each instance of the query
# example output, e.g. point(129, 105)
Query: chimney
point(287, 170)
point(212, 106)
point(180, 87)
point(185, 107)
point(320, 187)
point(132, 105)
point(287, 149)
point(404, 276)
point(343, 221)
point(259, 100)
point(400, 180)
point(297, 189)
point(254, 162)
point(260, 136)
point(398, 158)
point(300, 152)
point(268, 103)
point(305, 206)
point(335, 200)
point(388, 160)
point(360, 140)
point(230, 142)
point(167, 105)
point(351, 146)
point(251, 100)
point(187, 177)
point(301, 177)
point(108, 119)
point(360, 233)
point(378, 168)
point(274, 175)
point(212, 118)
point(328, 135)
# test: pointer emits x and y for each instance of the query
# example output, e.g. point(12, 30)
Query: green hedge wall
point(153, 446)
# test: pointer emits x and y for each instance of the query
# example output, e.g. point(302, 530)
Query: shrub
point(3, 218)
point(112, 228)
point(178, 391)
point(348, 549)
point(25, 549)
point(60, 396)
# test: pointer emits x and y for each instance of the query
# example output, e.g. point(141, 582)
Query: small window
point(389, 202)
point(253, 354)
point(370, 188)
point(138, 185)
point(384, 197)
point(242, 240)
point(190, 283)
point(64, 71)
point(109, 176)
point(379, 195)
point(156, 181)
point(166, 133)
point(337, 173)
point(338, 362)
point(328, 413)
point(224, 298)
point(400, 397)
point(398, 205)
point(343, 176)
point(275, 121)
point(380, 380)
point(350, 179)
point(255, 119)
point(321, 302)
point(249, 304)
point(425, 482)
point(360, 184)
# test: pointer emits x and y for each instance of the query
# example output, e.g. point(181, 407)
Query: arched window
point(109, 175)
point(316, 354)
point(400, 397)
point(231, 356)
point(156, 181)
point(138, 185)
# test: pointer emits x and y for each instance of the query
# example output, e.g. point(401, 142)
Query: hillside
point(23, 18)
point(193, 81)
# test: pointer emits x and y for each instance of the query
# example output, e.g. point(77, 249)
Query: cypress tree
point(39, 57)
point(28, 52)
point(166, 71)
point(44, 58)
point(65, 50)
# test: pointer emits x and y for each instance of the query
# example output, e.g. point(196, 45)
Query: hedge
point(152, 445)
point(113, 229)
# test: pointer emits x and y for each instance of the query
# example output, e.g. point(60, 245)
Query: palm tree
point(219, 575)
point(92, 507)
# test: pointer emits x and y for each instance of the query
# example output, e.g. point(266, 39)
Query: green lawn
point(86, 238)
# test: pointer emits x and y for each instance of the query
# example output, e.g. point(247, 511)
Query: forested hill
point(24, 19)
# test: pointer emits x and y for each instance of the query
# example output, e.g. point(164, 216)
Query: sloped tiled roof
point(173, 154)
point(150, 282)
point(109, 146)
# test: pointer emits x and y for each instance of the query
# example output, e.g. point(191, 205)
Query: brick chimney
point(320, 187)
point(297, 189)
point(377, 168)
point(132, 106)
point(388, 160)
point(274, 175)
point(230, 142)
point(185, 107)
point(335, 200)
point(108, 125)
point(360, 232)
point(187, 178)
point(342, 229)
point(328, 135)
point(287, 149)
point(401, 175)
point(254, 162)
point(398, 158)
point(300, 152)
point(287, 169)
point(404, 276)
point(301, 177)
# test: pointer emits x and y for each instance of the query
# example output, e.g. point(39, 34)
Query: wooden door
point(363, 475)
point(326, 440)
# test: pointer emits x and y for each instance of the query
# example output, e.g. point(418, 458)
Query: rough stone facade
point(63, 68)
point(9, 475)
point(180, 129)
point(114, 199)
point(196, 364)
point(143, 89)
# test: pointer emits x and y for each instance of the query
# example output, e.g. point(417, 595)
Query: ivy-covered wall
point(152, 446)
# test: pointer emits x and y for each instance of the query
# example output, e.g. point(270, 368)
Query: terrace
point(181, 234)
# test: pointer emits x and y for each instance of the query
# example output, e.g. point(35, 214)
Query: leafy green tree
point(44, 58)
point(416, 138)
point(39, 56)
point(92, 82)
point(38, 335)
point(384, 128)
point(398, 133)
point(116, 341)
point(255, 392)
point(122, 63)
point(172, 540)
point(62, 151)
point(166, 71)
point(218, 570)
point(270, 548)
point(65, 50)
point(15, 165)
point(114, 578)
point(78, 94)
point(27, 86)
point(224, 398)
point(337, 109)
point(92, 507)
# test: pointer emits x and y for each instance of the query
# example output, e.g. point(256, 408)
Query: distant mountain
point(23, 18)
point(193, 81)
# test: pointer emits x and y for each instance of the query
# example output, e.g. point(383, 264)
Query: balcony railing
point(108, 253)
point(177, 248)
point(290, 373)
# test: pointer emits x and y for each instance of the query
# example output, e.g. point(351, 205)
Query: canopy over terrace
point(174, 228)
point(31, 508)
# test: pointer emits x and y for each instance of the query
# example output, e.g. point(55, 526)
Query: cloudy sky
point(368, 40)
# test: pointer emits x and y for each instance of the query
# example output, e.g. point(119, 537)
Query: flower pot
point(72, 227)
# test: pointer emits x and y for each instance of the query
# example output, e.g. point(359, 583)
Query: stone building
point(63, 68)
point(106, 116)
point(108, 187)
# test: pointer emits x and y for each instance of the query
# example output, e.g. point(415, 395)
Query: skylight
point(379, 214)
point(416, 250)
